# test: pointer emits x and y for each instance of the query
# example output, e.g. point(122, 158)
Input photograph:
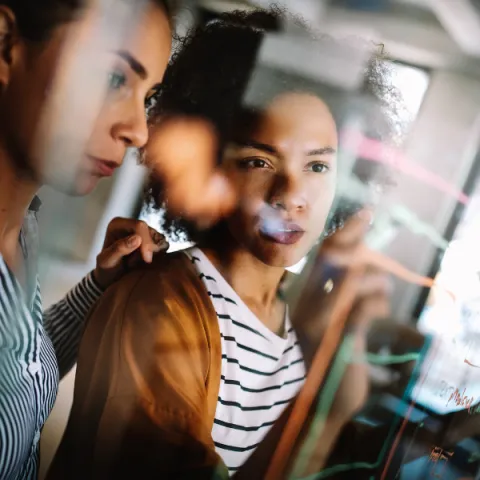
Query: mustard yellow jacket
point(147, 381)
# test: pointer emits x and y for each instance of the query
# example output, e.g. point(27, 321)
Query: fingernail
point(133, 240)
point(161, 247)
point(149, 257)
point(157, 238)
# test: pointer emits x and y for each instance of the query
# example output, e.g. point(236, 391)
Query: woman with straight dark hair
point(37, 349)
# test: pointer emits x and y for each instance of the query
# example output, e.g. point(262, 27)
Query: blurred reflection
point(387, 400)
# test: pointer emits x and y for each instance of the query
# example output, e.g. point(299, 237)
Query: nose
point(132, 131)
point(288, 194)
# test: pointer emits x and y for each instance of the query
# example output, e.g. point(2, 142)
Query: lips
point(104, 168)
point(284, 233)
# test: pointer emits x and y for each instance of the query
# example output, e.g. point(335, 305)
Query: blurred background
point(433, 217)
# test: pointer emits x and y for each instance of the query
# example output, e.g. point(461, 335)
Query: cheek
point(251, 187)
point(102, 126)
point(321, 201)
point(106, 130)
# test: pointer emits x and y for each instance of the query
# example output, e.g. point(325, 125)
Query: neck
point(16, 194)
point(256, 283)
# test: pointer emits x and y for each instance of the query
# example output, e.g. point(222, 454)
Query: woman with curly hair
point(188, 367)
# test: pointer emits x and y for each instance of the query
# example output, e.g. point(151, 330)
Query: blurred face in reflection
point(286, 159)
point(40, 113)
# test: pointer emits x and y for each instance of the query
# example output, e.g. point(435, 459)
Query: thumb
point(113, 255)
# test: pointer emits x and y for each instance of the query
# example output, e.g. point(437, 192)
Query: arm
point(64, 321)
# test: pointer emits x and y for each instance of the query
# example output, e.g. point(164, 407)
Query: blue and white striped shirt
point(36, 350)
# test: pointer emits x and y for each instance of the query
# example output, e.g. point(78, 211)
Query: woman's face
point(44, 115)
point(287, 161)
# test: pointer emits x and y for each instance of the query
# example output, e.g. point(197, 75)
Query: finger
point(112, 256)
point(151, 240)
point(159, 242)
point(374, 283)
point(382, 261)
point(353, 232)
point(117, 229)
point(366, 310)
point(141, 230)
point(134, 260)
point(146, 247)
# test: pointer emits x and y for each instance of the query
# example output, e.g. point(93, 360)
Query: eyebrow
point(135, 65)
point(273, 151)
point(321, 151)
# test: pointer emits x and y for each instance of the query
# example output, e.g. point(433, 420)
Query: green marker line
point(377, 359)
point(344, 356)
point(332, 378)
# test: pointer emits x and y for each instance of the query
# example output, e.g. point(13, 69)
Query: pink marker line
point(376, 151)
point(471, 364)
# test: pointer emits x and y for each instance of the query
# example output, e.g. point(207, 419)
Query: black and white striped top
point(261, 372)
point(36, 349)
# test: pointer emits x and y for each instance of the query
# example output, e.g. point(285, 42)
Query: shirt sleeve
point(64, 321)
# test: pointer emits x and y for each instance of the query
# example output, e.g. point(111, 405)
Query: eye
point(318, 167)
point(151, 99)
point(116, 80)
point(251, 163)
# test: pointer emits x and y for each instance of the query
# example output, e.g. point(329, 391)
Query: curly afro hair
point(208, 76)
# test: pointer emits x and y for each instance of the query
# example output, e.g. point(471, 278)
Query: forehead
point(150, 42)
point(297, 117)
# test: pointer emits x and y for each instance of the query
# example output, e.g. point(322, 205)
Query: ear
point(7, 41)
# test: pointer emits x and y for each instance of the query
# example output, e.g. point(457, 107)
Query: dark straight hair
point(36, 19)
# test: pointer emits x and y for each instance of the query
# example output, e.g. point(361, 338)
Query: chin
point(278, 256)
point(81, 186)
point(84, 187)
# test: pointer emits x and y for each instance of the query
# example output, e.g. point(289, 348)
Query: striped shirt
point(36, 349)
point(260, 373)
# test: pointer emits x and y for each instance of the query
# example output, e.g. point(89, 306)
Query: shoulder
point(172, 273)
point(169, 287)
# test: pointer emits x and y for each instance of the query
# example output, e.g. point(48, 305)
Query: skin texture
point(285, 159)
point(293, 168)
point(120, 122)
point(34, 114)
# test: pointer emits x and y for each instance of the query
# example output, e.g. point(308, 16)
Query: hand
point(371, 302)
point(128, 243)
point(340, 253)
point(181, 153)
point(344, 284)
